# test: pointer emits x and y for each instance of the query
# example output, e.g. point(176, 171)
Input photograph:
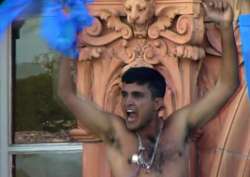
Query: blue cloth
point(58, 27)
point(79, 14)
point(10, 10)
point(58, 30)
point(244, 24)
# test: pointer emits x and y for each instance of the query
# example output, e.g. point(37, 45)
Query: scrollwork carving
point(189, 29)
point(144, 20)
point(155, 51)
point(96, 36)
point(165, 17)
point(89, 53)
point(141, 50)
point(95, 29)
point(190, 52)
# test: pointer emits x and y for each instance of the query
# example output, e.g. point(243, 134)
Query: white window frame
point(5, 88)
point(6, 148)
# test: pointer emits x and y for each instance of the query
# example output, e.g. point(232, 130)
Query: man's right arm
point(84, 110)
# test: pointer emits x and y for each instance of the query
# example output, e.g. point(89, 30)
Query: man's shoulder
point(177, 117)
point(119, 124)
point(116, 119)
point(175, 126)
point(121, 135)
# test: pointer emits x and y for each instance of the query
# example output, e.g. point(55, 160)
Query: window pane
point(48, 165)
point(38, 117)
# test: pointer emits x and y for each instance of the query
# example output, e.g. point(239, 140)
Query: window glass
point(48, 165)
point(38, 116)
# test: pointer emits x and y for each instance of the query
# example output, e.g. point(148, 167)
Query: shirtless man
point(142, 144)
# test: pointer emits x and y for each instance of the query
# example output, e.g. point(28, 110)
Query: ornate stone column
point(167, 35)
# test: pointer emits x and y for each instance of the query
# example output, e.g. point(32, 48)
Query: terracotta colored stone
point(173, 39)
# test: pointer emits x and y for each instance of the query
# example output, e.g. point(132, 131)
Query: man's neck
point(148, 139)
point(150, 132)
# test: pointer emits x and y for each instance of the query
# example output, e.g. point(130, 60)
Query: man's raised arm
point(201, 111)
point(84, 110)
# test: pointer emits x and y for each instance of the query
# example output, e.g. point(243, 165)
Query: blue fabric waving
point(10, 10)
point(58, 27)
point(244, 23)
point(79, 14)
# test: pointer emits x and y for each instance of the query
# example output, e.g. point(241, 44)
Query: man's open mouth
point(131, 115)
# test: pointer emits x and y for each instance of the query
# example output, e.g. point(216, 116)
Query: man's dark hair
point(144, 75)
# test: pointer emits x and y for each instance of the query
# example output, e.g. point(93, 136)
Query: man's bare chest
point(169, 161)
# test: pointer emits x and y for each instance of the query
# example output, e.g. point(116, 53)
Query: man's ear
point(159, 105)
point(159, 102)
point(162, 113)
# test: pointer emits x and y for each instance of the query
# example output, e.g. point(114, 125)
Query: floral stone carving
point(169, 36)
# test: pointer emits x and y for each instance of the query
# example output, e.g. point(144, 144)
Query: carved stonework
point(139, 15)
point(161, 35)
point(170, 36)
point(165, 35)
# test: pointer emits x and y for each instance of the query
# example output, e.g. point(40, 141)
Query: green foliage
point(21, 173)
point(36, 108)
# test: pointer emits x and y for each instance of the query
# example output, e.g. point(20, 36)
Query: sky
point(30, 44)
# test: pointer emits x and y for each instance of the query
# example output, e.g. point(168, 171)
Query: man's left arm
point(200, 112)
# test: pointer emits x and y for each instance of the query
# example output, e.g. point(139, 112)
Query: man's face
point(138, 105)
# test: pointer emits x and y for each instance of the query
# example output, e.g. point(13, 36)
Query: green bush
point(35, 106)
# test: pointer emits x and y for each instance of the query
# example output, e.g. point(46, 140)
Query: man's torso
point(170, 160)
